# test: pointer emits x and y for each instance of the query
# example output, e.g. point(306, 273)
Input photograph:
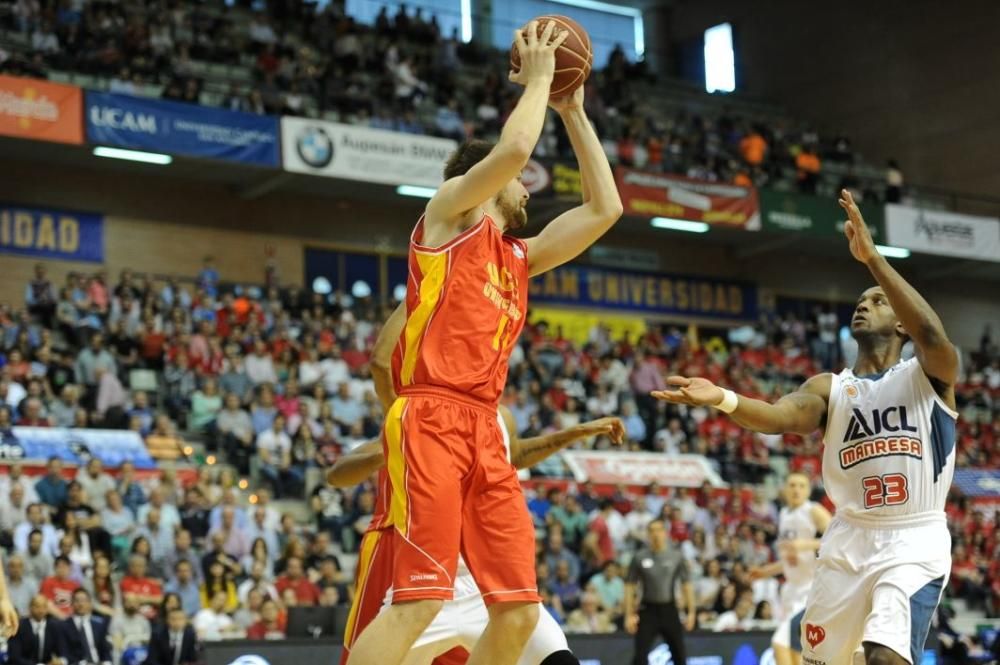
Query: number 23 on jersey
point(888, 490)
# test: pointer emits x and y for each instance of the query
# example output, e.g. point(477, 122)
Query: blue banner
point(75, 446)
point(51, 234)
point(978, 483)
point(648, 293)
point(181, 129)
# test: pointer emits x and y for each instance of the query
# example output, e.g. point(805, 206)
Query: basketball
point(574, 58)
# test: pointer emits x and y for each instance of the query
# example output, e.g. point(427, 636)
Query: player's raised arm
point(525, 453)
point(381, 361)
point(935, 352)
point(356, 466)
point(519, 136)
point(569, 234)
point(800, 412)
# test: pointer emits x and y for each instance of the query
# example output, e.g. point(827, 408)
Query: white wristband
point(730, 401)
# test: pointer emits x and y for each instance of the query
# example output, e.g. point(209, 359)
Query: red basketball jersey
point(465, 303)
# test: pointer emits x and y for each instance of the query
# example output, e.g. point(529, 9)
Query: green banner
point(801, 213)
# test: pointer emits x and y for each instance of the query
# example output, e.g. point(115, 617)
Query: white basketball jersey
point(889, 445)
point(797, 524)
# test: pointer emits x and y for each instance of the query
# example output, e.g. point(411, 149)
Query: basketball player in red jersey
point(452, 487)
point(373, 577)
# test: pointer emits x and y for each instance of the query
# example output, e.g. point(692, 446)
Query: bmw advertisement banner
point(333, 150)
point(181, 129)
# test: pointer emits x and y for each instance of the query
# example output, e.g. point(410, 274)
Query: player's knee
point(417, 614)
point(517, 620)
point(880, 655)
point(561, 658)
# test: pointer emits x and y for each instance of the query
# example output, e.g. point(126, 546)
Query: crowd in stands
point(275, 383)
point(403, 74)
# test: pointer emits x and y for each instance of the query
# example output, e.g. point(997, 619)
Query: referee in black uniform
point(658, 570)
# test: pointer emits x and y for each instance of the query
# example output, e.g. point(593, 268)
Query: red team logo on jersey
point(814, 634)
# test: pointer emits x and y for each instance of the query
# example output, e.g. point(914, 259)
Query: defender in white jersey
point(799, 523)
point(887, 465)
point(462, 620)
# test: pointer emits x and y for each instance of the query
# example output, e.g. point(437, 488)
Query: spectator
point(133, 496)
point(589, 618)
point(213, 623)
point(14, 511)
point(174, 642)
point(306, 593)
point(89, 361)
point(20, 588)
point(148, 591)
point(236, 542)
point(556, 552)
point(807, 165)
point(205, 406)
point(40, 294)
point(59, 588)
point(118, 521)
point(48, 537)
point(102, 588)
point(218, 579)
point(347, 411)
point(258, 580)
point(15, 477)
point(270, 626)
point(38, 563)
point(234, 431)
point(95, 483)
point(894, 183)
point(52, 487)
point(274, 448)
point(170, 518)
point(129, 628)
point(194, 514)
point(39, 638)
point(609, 587)
point(140, 409)
point(740, 617)
point(565, 586)
point(87, 633)
point(260, 366)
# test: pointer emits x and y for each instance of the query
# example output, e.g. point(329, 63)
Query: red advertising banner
point(661, 195)
point(616, 467)
point(32, 109)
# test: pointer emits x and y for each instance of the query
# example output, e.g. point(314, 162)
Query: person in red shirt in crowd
point(306, 593)
point(270, 625)
point(31, 416)
point(147, 590)
point(59, 588)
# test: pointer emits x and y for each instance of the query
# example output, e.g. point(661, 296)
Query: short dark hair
point(467, 155)
point(62, 558)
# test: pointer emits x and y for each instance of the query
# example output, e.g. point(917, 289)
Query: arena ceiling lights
point(891, 252)
point(679, 225)
point(416, 191)
point(133, 155)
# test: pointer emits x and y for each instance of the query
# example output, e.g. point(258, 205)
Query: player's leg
point(833, 622)
point(547, 644)
point(496, 520)
point(425, 510)
point(511, 624)
point(371, 581)
point(786, 644)
point(896, 629)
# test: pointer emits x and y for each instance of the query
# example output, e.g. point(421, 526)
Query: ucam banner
point(333, 150)
point(75, 446)
point(51, 234)
point(942, 232)
point(39, 110)
point(645, 293)
point(181, 129)
point(614, 467)
point(661, 195)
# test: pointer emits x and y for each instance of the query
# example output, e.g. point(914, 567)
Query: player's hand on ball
point(571, 102)
point(612, 428)
point(858, 236)
point(694, 391)
point(537, 52)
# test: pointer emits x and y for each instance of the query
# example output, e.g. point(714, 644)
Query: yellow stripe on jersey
point(366, 555)
point(396, 465)
point(434, 268)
